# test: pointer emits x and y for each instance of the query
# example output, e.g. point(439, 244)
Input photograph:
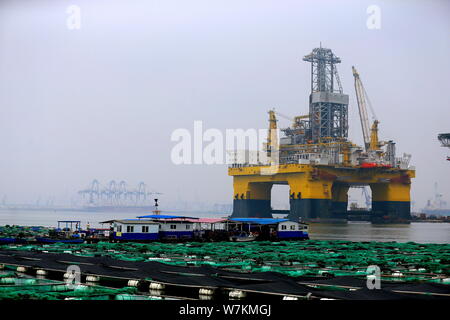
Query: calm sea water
point(421, 232)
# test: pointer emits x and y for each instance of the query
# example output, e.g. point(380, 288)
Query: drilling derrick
point(328, 106)
point(318, 162)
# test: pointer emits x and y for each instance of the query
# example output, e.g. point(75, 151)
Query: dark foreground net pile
point(324, 269)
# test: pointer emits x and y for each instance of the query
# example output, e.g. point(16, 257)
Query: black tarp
point(207, 276)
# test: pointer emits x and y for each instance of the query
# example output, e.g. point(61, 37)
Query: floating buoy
point(397, 274)
point(41, 272)
point(237, 294)
point(156, 286)
point(206, 291)
point(92, 279)
point(21, 269)
point(133, 283)
point(290, 298)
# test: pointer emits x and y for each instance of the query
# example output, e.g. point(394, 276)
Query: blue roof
point(161, 216)
point(114, 220)
point(259, 220)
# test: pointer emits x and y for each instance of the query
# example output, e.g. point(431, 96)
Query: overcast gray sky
point(102, 101)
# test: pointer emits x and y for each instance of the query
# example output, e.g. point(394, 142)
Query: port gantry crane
point(444, 138)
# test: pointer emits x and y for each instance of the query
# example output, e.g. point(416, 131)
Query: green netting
point(22, 231)
point(415, 262)
point(7, 275)
point(136, 297)
point(36, 291)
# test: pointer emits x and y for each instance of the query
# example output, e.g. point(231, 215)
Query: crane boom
point(360, 97)
point(295, 120)
point(283, 115)
point(272, 135)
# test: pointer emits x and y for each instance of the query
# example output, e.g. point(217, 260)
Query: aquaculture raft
point(17, 286)
point(316, 269)
point(20, 234)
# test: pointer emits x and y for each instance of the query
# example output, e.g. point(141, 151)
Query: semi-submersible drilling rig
point(319, 163)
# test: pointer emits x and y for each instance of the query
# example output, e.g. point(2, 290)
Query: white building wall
point(165, 226)
point(290, 226)
point(137, 228)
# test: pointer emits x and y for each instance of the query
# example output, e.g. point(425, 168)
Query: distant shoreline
point(112, 209)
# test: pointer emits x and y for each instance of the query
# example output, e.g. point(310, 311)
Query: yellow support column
point(251, 199)
point(310, 199)
point(391, 202)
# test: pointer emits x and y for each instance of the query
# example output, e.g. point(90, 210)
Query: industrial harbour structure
point(437, 206)
point(444, 138)
point(116, 196)
point(319, 163)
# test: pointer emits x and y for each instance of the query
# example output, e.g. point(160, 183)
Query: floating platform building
point(318, 162)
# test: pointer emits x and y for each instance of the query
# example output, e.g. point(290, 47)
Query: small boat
point(56, 240)
point(243, 237)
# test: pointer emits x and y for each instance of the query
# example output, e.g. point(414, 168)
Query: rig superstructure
point(319, 163)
